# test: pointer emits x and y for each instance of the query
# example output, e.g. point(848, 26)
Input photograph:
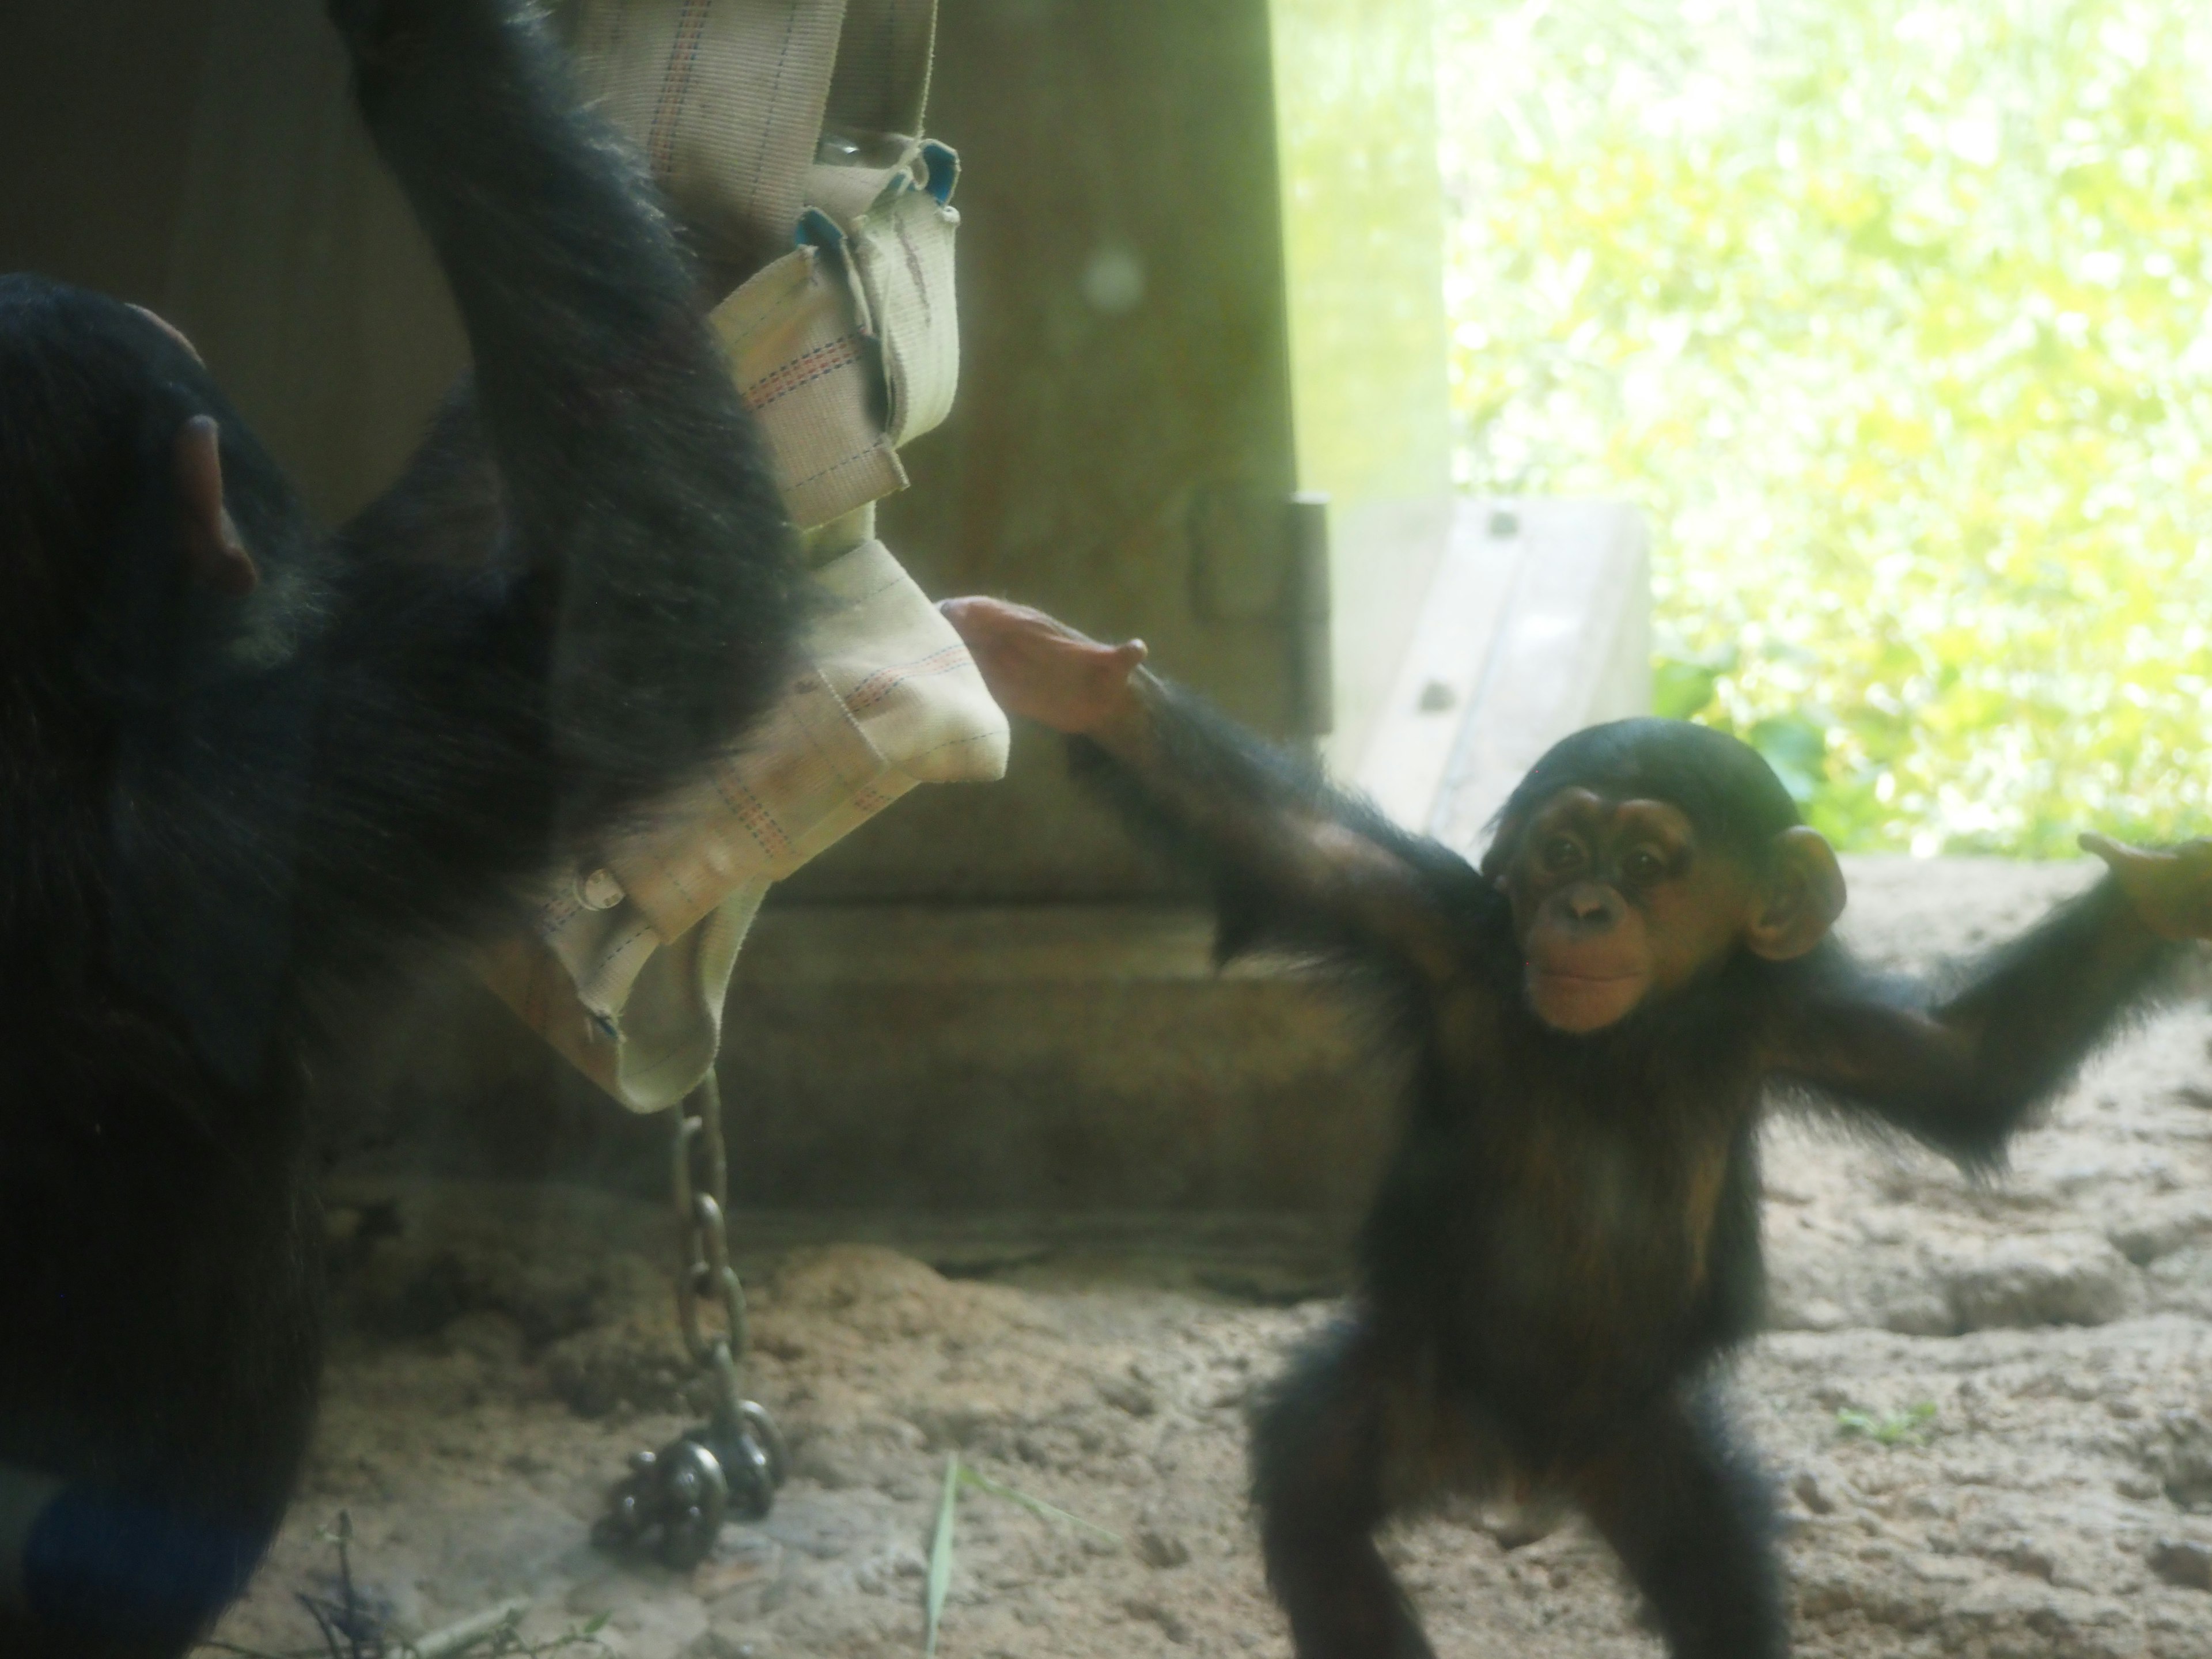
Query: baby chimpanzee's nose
point(1588, 904)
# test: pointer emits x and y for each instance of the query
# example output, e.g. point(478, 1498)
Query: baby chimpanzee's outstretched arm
point(1962, 1071)
point(1297, 863)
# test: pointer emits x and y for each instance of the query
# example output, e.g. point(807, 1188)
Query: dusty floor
point(507, 1350)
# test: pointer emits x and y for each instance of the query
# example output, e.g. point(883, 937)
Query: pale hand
point(2171, 887)
point(1043, 670)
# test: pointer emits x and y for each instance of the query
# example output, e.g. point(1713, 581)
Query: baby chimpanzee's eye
point(1643, 866)
point(1562, 853)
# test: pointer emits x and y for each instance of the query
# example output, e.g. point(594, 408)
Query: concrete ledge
point(560, 1226)
point(1045, 1058)
point(981, 944)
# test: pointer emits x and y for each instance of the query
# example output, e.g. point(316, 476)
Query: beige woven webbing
point(731, 101)
point(848, 349)
point(844, 348)
point(725, 98)
point(808, 368)
point(849, 346)
point(901, 251)
point(624, 969)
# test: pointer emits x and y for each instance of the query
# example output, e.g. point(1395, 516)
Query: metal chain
point(701, 1185)
point(736, 1458)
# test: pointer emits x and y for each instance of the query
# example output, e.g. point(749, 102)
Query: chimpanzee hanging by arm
point(246, 769)
point(1566, 1237)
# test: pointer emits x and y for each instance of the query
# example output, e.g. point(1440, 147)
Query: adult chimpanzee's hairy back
point(248, 771)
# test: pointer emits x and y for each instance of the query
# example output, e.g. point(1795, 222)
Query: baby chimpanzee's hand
point(2171, 887)
point(1041, 668)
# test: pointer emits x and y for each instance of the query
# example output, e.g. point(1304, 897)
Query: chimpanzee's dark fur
point(220, 818)
point(1565, 1242)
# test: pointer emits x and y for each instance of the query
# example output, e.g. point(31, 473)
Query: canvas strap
point(624, 968)
point(845, 347)
point(795, 123)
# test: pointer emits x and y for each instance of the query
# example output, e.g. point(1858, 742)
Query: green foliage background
point(1893, 318)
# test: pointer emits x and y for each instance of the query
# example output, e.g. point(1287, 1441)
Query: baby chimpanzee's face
point(1615, 902)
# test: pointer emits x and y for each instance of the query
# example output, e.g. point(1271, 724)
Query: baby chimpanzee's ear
point(1803, 897)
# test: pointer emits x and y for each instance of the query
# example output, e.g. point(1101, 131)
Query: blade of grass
point(940, 1556)
point(472, 1632)
point(983, 1482)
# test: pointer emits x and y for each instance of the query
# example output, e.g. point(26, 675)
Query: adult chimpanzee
point(247, 770)
point(1567, 1237)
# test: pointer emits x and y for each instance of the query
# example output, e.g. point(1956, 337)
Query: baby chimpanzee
point(1567, 1237)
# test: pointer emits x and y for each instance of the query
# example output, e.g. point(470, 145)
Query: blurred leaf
point(957, 1476)
point(1908, 1427)
point(983, 1482)
point(940, 1555)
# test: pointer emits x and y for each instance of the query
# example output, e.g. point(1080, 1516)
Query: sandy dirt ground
point(1988, 1409)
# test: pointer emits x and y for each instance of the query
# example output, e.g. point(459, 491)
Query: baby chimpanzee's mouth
point(1569, 1000)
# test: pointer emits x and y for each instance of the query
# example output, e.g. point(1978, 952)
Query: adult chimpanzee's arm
point(1960, 1070)
point(480, 714)
point(1294, 862)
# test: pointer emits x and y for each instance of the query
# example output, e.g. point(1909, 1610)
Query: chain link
point(701, 1186)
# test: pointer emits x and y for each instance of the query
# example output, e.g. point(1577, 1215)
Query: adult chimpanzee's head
point(1640, 855)
point(147, 543)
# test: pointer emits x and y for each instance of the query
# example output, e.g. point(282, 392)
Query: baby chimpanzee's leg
point(1690, 1515)
point(1322, 1451)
